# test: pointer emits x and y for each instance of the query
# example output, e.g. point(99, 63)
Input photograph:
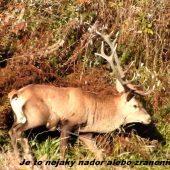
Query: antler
point(120, 75)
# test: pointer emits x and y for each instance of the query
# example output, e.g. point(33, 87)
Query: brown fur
point(72, 109)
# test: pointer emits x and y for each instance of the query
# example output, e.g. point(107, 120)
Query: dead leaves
point(13, 18)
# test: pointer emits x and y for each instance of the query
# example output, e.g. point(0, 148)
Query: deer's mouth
point(146, 122)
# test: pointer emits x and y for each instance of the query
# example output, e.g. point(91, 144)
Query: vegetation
point(53, 42)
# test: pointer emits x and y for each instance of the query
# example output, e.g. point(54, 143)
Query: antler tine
point(128, 67)
point(120, 75)
point(107, 39)
point(145, 93)
point(142, 93)
point(140, 84)
point(113, 46)
point(109, 60)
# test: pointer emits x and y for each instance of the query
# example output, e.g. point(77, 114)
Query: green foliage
point(143, 23)
point(4, 140)
point(53, 60)
point(167, 109)
point(48, 148)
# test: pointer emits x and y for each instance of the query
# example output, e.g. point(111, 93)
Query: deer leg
point(64, 139)
point(15, 136)
point(91, 145)
point(26, 148)
point(24, 142)
point(11, 134)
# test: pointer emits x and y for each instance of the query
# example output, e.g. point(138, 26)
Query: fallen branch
point(42, 51)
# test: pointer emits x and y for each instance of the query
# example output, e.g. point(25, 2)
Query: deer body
point(45, 103)
point(38, 105)
point(75, 110)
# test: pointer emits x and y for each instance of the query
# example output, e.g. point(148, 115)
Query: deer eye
point(135, 105)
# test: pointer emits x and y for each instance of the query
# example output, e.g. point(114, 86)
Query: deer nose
point(146, 121)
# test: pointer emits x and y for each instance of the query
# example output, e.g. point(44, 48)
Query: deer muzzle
point(146, 121)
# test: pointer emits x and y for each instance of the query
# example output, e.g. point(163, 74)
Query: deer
point(75, 110)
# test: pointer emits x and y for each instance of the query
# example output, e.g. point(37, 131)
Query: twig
point(52, 48)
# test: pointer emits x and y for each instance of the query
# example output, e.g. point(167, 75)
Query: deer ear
point(130, 95)
point(119, 87)
point(127, 96)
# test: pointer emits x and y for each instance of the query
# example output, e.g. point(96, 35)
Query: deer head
point(124, 86)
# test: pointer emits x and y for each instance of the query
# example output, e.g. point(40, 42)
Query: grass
point(130, 150)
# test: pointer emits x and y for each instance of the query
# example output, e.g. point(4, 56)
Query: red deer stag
point(73, 109)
